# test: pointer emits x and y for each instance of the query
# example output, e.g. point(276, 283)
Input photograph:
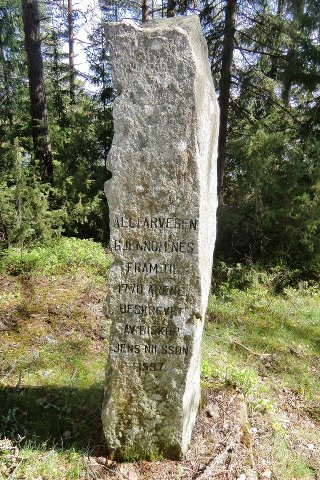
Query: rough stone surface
point(162, 199)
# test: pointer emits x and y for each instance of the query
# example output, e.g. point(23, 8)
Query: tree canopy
point(55, 132)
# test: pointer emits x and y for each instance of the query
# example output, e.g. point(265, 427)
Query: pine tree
point(41, 141)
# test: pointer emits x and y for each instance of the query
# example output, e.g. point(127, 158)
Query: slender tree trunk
point(71, 50)
point(6, 75)
point(145, 10)
point(225, 86)
point(4, 231)
point(291, 55)
point(171, 8)
point(275, 35)
point(39, 115)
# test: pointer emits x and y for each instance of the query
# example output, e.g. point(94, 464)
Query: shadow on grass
point(59, 417)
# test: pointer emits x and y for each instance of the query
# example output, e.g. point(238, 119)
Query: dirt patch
point(227, 445)
point(221, 447)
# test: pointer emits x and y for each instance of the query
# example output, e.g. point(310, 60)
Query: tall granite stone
point(162, 199)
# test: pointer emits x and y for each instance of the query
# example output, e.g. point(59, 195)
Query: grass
point(53, 351)
point(268, 346)
point(53, 354)
point(277, 335)
point(40, 462)
point(58, 256)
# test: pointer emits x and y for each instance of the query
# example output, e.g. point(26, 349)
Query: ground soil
point(226, 444)
point(229, 441)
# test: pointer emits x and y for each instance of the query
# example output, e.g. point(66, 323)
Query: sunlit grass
point(53, 354)
point(265, 344)
point(250, 324)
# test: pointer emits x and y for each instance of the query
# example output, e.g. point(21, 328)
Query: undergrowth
point(57, 256)
point(52, 359)
point(53, 353)
point(267, 346)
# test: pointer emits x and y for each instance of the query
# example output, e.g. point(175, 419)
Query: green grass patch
point(53, 355)
point(287, 464)
point(58, 256)
point(265, 344)
point(52, 358)
point(34, 461)
point(277, 335)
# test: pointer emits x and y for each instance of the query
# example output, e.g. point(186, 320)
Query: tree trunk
point(298, 10)
point(6, 99)
point(275, 35)
point(71, 50)
point(41, 142)
point(145, 10)
point(225, 86)
point(171, 8)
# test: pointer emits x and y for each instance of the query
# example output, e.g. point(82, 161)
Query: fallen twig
point(217, 461)
point(8, 373)
point(261, 355)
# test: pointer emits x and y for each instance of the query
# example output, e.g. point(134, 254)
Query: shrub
point(56, 256)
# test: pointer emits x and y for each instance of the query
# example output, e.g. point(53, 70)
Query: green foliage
point(277, 180)
point(60, 255)
point(226, 277)
point(25, 214)
point(80, 147)
point(272, 180)
point(80, 131)
point(276, 279)
point(271, 204)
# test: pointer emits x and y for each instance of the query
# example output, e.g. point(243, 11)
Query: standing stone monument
point(162, 199)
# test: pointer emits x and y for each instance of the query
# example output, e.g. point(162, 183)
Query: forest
point(56, 124)
point(259, 410)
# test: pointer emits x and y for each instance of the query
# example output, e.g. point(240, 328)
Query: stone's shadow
point(59, 417)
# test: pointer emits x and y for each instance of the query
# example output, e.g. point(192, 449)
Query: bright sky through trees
point(89, 13)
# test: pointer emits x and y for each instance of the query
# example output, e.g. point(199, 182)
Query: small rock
point(212, 412)
point(251, 474)
point(50, 339)
point(132, 475)
point(266, 474)
point(311, 446)
point(101, 460)
point(243, 476)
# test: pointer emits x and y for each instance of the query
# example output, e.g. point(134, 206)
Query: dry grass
point(260, 376)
